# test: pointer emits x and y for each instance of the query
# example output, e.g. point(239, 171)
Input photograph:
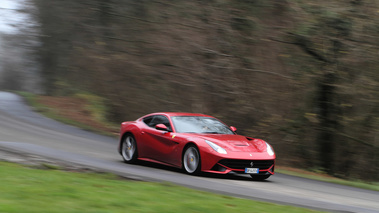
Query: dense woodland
point(302, 75)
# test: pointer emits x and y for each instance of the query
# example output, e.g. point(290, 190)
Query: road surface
point(24, 131)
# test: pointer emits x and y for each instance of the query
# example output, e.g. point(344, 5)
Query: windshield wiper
point(210, 132)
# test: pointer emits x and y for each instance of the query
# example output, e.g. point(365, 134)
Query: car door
point(159, 145)
point(144, 149)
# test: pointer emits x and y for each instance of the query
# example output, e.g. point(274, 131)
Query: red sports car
point(195, 143)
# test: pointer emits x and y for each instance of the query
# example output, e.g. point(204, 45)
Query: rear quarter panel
point(128, 127)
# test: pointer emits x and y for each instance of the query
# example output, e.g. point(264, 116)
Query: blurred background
point(302, 75)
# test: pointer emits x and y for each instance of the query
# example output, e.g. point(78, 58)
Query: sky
point(10, 17)
point(18, 35)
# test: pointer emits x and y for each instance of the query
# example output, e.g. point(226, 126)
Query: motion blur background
point(302, 75)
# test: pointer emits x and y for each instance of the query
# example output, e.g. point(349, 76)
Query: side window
point(148, 120)
point(160, 119)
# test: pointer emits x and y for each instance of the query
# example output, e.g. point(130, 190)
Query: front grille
point(242, 164)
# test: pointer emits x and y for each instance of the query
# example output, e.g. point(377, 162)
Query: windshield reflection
point(200, 125)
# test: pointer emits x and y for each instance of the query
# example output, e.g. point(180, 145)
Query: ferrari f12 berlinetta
point(196, 143)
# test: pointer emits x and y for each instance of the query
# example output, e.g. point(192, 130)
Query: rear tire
point(260, 177)
point(129, 149)
point(191, 160)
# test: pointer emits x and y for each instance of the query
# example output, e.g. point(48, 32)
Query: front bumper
point(266, 167)
point(237, 162)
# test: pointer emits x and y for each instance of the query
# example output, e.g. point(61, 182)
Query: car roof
point(171, 114)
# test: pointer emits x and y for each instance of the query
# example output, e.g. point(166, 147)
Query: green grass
point(96, 106)
point(33, 190)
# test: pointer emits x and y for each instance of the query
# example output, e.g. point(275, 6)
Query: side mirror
point(233, 128)
point(161, 127)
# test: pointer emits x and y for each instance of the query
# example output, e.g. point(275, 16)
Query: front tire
point(191, 160)
point(129, 149)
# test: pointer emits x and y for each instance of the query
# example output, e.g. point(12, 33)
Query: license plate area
point(251, 170)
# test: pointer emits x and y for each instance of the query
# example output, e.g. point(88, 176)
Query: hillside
point(302, 75)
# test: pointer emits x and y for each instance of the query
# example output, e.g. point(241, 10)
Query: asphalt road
point(24, 131)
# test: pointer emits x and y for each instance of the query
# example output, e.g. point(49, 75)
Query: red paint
point(166, 147)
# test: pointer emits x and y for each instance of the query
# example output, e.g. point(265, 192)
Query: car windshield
point(199, 124)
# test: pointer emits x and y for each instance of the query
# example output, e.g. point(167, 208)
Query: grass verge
point(82, 110)
point(35, 190)
point(321, 177)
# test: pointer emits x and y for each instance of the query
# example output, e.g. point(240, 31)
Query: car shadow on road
point(230, 176)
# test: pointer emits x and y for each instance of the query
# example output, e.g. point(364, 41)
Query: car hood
point(237, 143)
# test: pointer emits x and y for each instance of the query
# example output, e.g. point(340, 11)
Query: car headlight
point(270, 151)
point(216, 147)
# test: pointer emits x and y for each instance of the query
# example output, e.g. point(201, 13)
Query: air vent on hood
point(240, 143)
